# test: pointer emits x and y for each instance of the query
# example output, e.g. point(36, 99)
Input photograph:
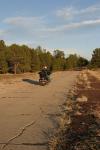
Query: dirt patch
point(83, 131)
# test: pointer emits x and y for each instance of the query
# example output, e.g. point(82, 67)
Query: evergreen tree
point(14, 58)
point(58, 60)
point(95, 61)
point(3, 62)
point(35, 61)
point(72, 61)
point(82, 62)
point(19, 59)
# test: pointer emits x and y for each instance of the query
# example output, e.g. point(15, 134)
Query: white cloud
point(25, 26)
point(73, 25)
point(41, 31)
point(71, 12)
point(91, 9)
point(37, 28)
point(24, 22)
point(65, 12)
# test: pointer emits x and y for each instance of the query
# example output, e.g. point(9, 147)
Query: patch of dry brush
point(80, 123)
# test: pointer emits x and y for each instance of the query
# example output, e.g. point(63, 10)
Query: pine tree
point(95, 61)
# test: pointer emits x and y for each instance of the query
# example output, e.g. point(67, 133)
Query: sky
point(72, 26)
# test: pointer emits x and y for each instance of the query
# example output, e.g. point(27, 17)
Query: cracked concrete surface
point(28, 112)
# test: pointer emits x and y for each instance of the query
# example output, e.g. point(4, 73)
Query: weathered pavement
point(27, 110)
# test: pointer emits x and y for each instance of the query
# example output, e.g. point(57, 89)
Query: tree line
point(21, 58)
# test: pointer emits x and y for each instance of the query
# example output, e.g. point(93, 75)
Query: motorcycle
point(43, 81)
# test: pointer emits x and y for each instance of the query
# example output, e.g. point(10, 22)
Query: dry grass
point(79, 127)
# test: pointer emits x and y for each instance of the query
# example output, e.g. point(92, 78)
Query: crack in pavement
point(16, 97)
point(19, 134)
point(28, 144)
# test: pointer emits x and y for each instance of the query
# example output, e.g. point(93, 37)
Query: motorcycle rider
point(44, 73)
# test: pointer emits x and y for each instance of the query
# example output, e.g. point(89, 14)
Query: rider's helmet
point(45, 67)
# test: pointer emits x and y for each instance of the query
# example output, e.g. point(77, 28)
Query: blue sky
point(69, 25)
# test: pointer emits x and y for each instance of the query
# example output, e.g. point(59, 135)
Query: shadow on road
point(31, 81)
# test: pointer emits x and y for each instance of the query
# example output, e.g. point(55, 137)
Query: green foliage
point(35, 61)
point(59, 54)
point(95, 61)
point(72, 61)
point(3, 61)
point(2, 45)
point(76, 62)
point(82, 62)
point(59, 61)
point(20, 59)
